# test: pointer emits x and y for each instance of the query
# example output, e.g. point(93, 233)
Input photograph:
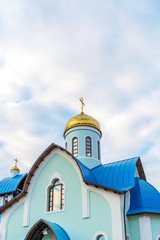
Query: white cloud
point(52, 53)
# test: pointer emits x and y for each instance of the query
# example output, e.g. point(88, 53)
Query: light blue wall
point(81, 134)
point(132, 222)
point(155, 225)
point(71, 218)
point(133, 227)
point(15, 229)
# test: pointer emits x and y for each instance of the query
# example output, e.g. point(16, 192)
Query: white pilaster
point(145, 228)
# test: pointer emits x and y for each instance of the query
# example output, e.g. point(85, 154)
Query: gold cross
point(81, 99)
point(16, 162)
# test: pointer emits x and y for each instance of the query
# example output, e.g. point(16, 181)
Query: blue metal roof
point(118, 176)
point(58, 230)
point(144, 198)
point(10, 184)
point(87, 173)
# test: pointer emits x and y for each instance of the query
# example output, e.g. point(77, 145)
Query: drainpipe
point(124, 216)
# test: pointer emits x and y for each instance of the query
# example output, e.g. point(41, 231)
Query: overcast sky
point(52, 52)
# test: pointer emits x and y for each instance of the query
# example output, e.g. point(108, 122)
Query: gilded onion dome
point(82, 120)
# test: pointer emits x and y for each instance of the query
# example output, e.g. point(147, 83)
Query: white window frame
point(86, 147)
point(54, 176)
point(99, 234)
point(77, 146)
point(158, 237)
point(128, 237)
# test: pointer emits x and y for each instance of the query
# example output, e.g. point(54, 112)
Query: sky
point(53, 52)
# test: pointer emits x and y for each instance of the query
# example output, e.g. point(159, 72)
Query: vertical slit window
point(88, 147)
point(98, 148)
point(75, 146)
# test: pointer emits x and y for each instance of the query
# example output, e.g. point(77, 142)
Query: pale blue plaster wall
point(132, 222)
point(155, 225)
point(81, 134)
point(15, 229)
point(71, 218)
point(133, 227)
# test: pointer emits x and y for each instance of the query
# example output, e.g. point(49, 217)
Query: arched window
point(101, 237)
point(98, 149)
point(158, 237)
point(66, 145)
point(55, 196)
point(6, 198)
point(88, 147)
point(75, 146)
point(127, 237)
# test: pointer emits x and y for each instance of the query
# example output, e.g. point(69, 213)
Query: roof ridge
point(122, 160)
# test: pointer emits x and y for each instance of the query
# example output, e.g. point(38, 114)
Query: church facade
point(69, 194)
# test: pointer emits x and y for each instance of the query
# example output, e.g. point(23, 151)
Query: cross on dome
point(16, 162)
point(82, 104)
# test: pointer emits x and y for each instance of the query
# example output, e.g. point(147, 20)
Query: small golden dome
point(15, 168)
point(82, 120)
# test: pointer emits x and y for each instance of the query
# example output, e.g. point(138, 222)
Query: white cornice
point(82, 128)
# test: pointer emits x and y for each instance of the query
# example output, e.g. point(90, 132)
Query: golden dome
point(82, 120)
point(15, 168)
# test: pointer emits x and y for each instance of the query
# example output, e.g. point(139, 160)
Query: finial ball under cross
point(82, 102)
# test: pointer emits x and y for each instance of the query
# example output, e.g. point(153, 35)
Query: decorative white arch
point(54, 176)
point(158, 237)
point(99, 234)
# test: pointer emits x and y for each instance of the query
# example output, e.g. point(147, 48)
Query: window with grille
point(88, 147)
point(56, 196)
point(75, 146)
point(98, 149)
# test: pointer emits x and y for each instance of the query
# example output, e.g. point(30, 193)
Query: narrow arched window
point(66, 145)
point(100, 237)
point(56, 196)
point(88, 147)
point(6, 198)
point(158, 237)
point(75, 146)
point(98, 149)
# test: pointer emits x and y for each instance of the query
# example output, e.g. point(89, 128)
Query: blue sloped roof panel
point(118, 176)
point(10, 184)
point(144, 198)
point(86, 172)
point(58, 230)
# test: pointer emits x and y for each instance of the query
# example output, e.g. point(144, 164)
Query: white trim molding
point(5, 218)
point(145, 228)
point(83, 128)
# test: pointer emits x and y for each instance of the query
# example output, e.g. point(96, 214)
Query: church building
point(68, 194)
